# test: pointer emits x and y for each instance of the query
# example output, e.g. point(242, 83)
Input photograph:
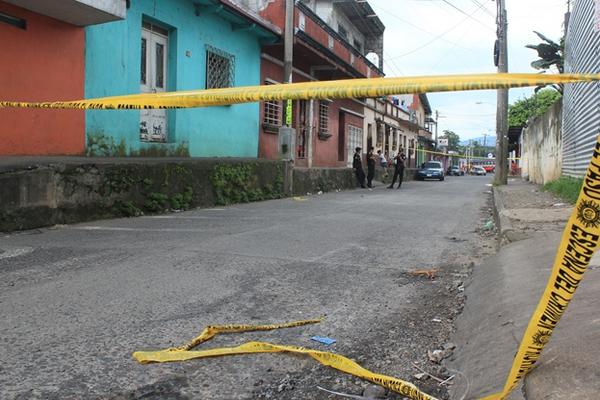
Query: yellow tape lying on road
point(350, 88)
point(579, 242)
point(341, 363)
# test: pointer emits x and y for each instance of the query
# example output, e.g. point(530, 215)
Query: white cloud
point(442, 40)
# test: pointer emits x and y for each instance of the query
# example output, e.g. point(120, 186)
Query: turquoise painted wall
point(113, 68)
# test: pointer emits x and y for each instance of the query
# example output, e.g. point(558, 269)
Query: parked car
point(478, 171)
point(431, 170)
point(456, 171)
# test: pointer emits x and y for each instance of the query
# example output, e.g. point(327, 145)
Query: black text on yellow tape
point(579, 241)
point(351, 88)
point(341, 363)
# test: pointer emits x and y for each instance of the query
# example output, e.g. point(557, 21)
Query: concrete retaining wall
point(314, 180)
point(541, 159)
point(68, 191)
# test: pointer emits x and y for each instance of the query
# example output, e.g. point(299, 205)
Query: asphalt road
point(77, 300)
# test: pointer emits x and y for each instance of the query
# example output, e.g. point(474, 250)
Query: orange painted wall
point(42, 63)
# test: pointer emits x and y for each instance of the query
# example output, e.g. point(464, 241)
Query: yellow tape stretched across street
point(341, 363)
point(350, 88)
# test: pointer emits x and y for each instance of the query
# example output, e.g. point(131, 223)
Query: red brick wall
point(41, 63)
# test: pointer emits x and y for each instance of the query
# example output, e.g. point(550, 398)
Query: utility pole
point(437, 117)
point(288, 54)
point(287, 134)
point(502, 102)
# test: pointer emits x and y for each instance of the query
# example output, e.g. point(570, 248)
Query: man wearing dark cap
point(358, 169)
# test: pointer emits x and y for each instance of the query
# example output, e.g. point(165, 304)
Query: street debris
point(299, 198)
point(428, 273)
point(489, 225)
point(424, 375)
point(349, 396)
point(435, 356)
point(375, 392)
point(324, 340)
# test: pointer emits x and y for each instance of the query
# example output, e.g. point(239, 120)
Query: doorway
point(342, 136)
point(153, 79)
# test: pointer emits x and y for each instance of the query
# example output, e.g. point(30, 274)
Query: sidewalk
point(503, 294)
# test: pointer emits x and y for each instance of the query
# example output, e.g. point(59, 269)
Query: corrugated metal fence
point(581, 113)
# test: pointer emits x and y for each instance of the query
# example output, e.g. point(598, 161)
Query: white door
point(355, 139)
point(153, 79)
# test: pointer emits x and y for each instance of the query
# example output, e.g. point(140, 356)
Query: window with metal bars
point(220, 68)
point(324, 118)
point(272, 113)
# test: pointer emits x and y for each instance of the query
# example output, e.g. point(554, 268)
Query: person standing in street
point(398, 169)
point(358, 169)
point(370, 167)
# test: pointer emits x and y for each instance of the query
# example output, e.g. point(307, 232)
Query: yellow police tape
point(579, 242)
point(341, 363)
point(351, 88)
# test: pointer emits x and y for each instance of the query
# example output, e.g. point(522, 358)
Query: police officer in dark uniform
point(398, 169)
point(370, 167)
point(358, 169)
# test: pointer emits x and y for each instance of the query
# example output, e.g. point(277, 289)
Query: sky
point(437, 37)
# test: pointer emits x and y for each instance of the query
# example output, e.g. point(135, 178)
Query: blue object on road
point(325, 340)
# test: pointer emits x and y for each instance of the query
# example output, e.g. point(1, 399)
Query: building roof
point(240, 17)
point(362, 16)
point(425, 102)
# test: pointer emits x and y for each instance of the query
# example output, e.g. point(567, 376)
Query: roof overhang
point(362, 16)
point(240, 18)
point(77, 12)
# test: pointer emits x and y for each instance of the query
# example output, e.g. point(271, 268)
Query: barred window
point(323, 117)
point(220, 67)
point(272, 111)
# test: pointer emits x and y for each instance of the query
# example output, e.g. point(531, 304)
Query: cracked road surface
point(77, 300)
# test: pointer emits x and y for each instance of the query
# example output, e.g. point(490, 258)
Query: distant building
point(43, 47)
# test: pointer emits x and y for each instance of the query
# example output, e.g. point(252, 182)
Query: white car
point(478, 171)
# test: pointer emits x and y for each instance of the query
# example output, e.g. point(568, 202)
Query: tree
point(531, 107)
point(551, 55)
point(453, 140)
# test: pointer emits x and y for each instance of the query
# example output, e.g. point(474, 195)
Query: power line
point(407, 22)
point(469, 15)
point(487, 11)
point(435, 38)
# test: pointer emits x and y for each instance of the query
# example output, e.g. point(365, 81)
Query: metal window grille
point(272, 111)
point(220, 67)
point(355, 139)
point(323, 117)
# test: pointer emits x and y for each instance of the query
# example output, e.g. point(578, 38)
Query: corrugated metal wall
point(581, 113)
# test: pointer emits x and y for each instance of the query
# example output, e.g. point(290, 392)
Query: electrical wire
point(470, 15)
point(433, 39)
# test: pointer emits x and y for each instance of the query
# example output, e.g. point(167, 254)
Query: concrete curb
point(505, 227)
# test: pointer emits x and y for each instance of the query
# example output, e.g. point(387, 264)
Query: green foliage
point(99, 145)
point(182, 201)
point(116, 181)
point(565, 187)
point(156, 202)
point(127, 208)
point(236, 183)
point(531, 107)
point(551, 54)
point(453, 140)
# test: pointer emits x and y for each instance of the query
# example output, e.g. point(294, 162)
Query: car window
point(433, 165)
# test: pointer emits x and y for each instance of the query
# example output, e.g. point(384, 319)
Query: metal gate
point(581, 101)
point(355, 139)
